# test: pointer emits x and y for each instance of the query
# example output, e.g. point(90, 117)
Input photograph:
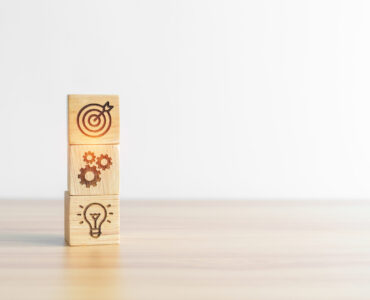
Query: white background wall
point(219, 98)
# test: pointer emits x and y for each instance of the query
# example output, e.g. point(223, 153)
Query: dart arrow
point(106, 108)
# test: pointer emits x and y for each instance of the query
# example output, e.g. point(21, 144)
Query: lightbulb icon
point(95, 215)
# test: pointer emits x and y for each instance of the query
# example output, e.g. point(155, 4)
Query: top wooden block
point(93, 119)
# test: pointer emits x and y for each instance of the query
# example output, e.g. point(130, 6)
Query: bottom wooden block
point(91, 220)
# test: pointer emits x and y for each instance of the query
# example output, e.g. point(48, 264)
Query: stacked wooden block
point(92, 199)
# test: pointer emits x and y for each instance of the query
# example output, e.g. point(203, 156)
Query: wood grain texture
point(81, 178)
point(192, 250)
point(80, 226)
point(86, 127)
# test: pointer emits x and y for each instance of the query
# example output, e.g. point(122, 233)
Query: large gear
point(104, 161)
point(84, 180)
point(89, 157)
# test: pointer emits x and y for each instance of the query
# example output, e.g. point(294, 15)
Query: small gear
point(87, 181)
point(104, 161)
point(89, 157)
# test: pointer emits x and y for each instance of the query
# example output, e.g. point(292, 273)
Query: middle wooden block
point(93, 170)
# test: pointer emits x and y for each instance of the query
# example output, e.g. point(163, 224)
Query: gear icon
point(89, 176)
point(104, 161)
point(89, 157)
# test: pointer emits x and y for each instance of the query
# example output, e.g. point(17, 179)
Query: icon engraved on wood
point(90, 175)
point(92, 219)
point(94, 120)
point(95, 214)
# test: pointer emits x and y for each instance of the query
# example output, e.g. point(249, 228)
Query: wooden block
point(93, 119)
point(66, 216)
point(92, 220)
point(93, 170)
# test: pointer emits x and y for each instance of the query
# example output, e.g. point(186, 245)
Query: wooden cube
point(93, 119)
point(93, 170)
point(91, 220)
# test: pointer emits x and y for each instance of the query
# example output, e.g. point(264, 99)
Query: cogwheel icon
point(89, 157)
point(104, 161)
point(89, 176)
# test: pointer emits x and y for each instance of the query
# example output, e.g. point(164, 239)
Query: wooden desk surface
point(192, 250)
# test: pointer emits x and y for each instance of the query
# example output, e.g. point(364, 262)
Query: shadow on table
point(35, 239)
point(94, 272)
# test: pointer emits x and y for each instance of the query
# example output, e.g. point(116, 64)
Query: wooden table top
point(174, 250)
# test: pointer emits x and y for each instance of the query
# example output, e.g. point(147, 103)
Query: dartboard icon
point(94, 120)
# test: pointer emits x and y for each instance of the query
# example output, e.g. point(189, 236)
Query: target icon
point(94, 120)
